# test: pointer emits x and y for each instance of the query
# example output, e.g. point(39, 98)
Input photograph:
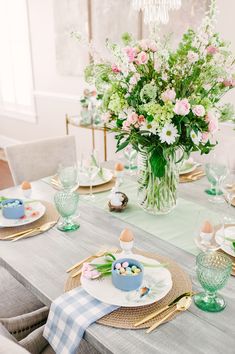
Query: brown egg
point(207, 228)
point(126, 236)
point(119, 166)
point(26, 185)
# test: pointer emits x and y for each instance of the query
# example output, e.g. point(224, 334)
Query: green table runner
point(177, 227)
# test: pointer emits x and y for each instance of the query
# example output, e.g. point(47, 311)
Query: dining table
point(40, 264)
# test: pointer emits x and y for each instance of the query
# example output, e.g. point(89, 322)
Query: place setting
point(190, 171)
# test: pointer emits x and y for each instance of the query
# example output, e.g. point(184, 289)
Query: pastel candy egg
point(122, 270)
point(133, 268)
point(125, 264)
point(128, 269)
point(137, 270)
point(118, 266)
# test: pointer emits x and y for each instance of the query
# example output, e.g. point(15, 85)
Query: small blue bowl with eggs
point(129, 280)
point(13, 208)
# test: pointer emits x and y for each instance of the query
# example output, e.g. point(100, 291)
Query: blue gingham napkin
point(70, 315)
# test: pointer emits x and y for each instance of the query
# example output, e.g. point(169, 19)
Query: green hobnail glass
point(66, 203)
point(213, 271)
point(211, 191)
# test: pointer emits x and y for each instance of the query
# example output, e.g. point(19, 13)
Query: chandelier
point(156, 11)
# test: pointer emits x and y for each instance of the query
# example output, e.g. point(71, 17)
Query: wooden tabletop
point(40, 264)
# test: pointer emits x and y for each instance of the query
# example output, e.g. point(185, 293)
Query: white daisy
point(168, 134)
point(196, 137)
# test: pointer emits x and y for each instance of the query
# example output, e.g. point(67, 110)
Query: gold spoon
point(182, 305)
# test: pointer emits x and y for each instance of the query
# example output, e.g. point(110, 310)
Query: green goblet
point(66, 203)
point(213, 271)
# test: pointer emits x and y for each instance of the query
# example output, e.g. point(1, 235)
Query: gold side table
point(75, 121)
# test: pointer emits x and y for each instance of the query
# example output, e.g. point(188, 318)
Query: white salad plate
point(98, 181)
point(156, 284)
point(226, 246)
point(34, 210)
point(188, 167)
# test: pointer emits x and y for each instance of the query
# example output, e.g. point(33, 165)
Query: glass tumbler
point(66, 203)
point(213, 271)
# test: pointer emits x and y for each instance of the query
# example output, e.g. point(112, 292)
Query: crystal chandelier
point(156, 11)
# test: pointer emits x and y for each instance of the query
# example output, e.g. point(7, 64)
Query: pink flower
point(134, 79)
point(213, 123)
point(115, 69)
point(131, 53)
point(229, 82)
point(192, 57)
point(126, 125)
point(168, 95)
point(182, 107)
point(211, 49)
point(153, 46)
point(205, 137)
point(148, 44)
point(141, 119)
point(132, 118)
point(142, 58)
point(199, 110)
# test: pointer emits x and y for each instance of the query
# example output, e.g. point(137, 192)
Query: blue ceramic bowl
point(127, 282)
point(12, 212)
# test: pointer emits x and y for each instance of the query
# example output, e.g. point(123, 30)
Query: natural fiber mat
point(193, 176)
point(126, 317)
point(232, 259)
point(51, 214)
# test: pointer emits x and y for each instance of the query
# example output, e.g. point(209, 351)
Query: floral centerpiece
point(165, 103)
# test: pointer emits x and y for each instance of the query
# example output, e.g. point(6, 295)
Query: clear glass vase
point(157, 195)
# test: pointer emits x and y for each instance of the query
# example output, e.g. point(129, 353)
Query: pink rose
point(126, 126)
point(182, 107)
point(141, 119)
point(142, 58)
point(132, 118)
point(168, 95)
point(131, 53)
point(199, 110)
point(115, 69)
point(153, 46)
point(205, 137)
point(192, 57)
point(229, 82)
point(134, 79)
point(211, 49)
point(213, 123)
point(144, 44)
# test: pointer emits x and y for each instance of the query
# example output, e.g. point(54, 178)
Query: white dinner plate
point(188, 167)
point(226, 246)
point(33, 211)
point(84, 182)
point(157, 280)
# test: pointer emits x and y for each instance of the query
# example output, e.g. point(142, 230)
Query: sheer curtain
point(16, 80)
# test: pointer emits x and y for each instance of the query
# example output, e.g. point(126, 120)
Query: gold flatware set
point(77, 268)
point(27, 233)
point(181, 303)
point(192, 177)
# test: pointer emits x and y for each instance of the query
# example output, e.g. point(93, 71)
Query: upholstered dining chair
point(34, 343)
point(37, 159)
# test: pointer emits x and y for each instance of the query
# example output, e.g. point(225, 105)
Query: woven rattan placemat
point(125, 317)
point(51, 214)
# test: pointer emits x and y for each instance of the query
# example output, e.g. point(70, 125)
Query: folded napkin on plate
point(69, 317)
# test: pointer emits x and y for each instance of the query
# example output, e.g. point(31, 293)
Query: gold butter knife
point(17, 234)
point(41, 229)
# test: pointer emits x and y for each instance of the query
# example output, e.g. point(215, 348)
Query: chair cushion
point(15, 299)
point(84, 348)
point(8, 344)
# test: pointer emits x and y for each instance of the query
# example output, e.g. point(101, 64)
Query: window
point(16, 81)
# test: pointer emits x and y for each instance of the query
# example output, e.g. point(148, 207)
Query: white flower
point(196, 138)
point(168, 134)
point(192, 57)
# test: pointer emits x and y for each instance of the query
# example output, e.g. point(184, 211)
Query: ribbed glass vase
point(157, 195)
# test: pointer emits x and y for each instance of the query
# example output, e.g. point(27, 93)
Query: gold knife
point(41, 229)
point(158, 312)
